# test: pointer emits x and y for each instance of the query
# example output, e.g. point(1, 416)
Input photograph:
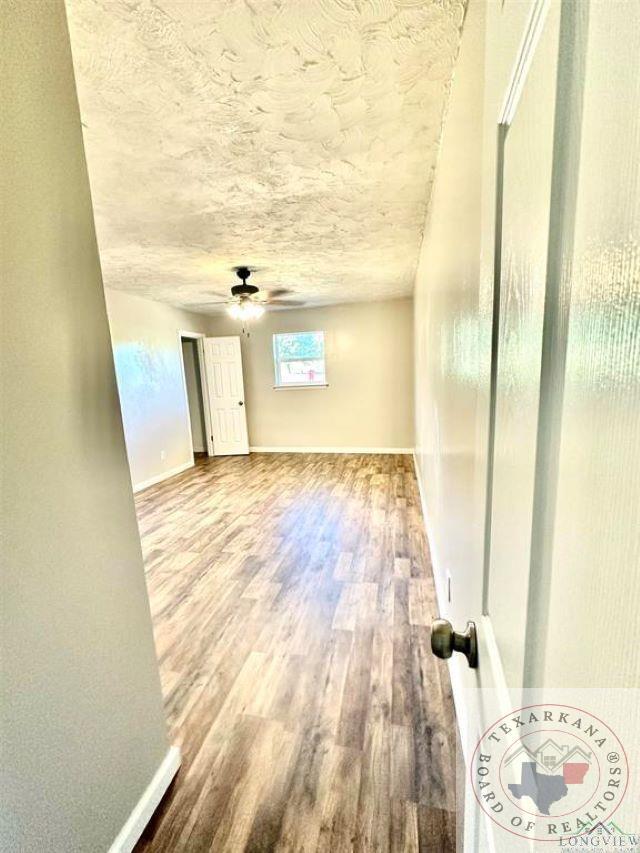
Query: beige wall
point(368, 404)
point(147, 353)
point(82, 717)
point(369, 355)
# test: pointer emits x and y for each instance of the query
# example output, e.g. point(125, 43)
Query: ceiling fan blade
point(267, 295)
point(278, 291)
point(290, 302)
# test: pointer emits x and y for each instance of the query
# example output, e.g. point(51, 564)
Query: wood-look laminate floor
point(291, 597)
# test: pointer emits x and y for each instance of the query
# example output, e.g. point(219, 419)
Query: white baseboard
point(148, 803)
point(437, 577)
point(152, 481)
point(393, 450)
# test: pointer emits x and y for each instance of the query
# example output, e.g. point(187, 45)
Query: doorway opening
point(192, 373)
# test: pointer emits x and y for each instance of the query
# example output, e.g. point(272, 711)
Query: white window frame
point(278, 386)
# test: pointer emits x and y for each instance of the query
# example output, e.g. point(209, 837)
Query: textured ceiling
point(297, 136)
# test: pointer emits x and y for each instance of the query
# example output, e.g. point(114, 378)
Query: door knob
point(241, 402)
point(445, 641)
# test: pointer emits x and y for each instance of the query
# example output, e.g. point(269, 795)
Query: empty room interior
point(321, 421)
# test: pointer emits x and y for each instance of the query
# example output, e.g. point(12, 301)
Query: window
point(299, 359)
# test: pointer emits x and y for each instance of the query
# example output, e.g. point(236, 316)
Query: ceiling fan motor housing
point(243, 289)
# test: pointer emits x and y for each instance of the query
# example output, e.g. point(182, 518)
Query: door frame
point(198, 337)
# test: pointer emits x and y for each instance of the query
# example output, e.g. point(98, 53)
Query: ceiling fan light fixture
point(245, 310)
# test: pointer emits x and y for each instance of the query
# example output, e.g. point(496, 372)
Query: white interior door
point(525, 162)
point(225, 386)
point(524, 127)
point(563, 509)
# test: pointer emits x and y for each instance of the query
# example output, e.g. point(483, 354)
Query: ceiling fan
point(248, 302)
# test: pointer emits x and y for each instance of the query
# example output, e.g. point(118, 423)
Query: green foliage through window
point(299, 359)
point(300, 345)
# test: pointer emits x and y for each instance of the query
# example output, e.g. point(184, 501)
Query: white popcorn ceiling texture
point(297, 136)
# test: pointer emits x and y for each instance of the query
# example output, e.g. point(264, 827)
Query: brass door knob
point(445, 641)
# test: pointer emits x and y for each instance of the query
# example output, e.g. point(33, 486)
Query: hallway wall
point(147, 354)
point(81, 709)
point(450, 347)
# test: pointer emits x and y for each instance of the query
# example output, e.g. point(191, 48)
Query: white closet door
point(223, 362)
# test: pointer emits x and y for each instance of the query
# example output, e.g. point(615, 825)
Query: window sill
point(298, 387)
